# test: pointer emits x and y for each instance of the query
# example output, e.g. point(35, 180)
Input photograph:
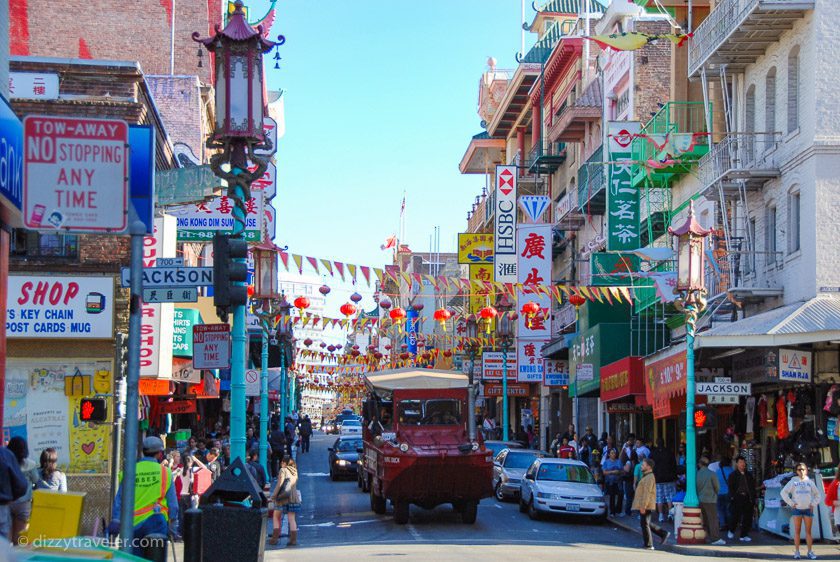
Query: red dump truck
point(417, 448)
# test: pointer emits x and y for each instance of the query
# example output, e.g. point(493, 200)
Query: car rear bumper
point(510, 489)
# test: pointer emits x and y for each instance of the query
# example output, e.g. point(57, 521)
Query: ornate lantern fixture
point(385, 303)
point(690, 254)
point(265, 270)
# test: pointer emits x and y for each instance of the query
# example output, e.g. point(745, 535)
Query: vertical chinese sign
point(476, 250)
point(534, 267)
point(623, 224)
point(504, 226)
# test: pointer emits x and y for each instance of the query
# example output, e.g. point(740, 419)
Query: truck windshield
point(430, 412)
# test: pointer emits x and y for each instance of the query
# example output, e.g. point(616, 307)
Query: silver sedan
point(508, 469)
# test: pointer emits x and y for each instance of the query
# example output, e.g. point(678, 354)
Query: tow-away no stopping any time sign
point(75, 174)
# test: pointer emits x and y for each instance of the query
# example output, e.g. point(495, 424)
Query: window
point(749, 125)
point(770, 102)
point(430, 412)
point(519, 460)
point(770, 235)
point(793, 222)
point(793, 91)
point(26, 243)
point(749, 262)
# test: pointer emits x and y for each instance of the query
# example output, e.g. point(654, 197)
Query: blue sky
point(380, 98)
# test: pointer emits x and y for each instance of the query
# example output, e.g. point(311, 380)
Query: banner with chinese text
point(623, 224)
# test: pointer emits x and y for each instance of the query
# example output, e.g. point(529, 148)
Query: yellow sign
point(475, 248)
point(479, 274)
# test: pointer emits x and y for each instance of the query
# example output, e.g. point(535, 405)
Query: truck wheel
point(469, 513)
point(377, 503)
point(401, 510)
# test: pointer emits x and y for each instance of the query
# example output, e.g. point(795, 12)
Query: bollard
point(155, 549)
point(192, 535)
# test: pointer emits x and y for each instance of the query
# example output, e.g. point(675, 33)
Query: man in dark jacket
point(305, 431)
point(256, 468)
point(742, 498)
point(665, 472)
point(277, 442)
point(13, 485)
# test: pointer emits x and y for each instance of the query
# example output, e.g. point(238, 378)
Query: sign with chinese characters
point(756, 366)
point(267, 183)
point(163, 294)
point(795, 365)
point(75, 174)
point(199, 222)
point(192, 184)
point(529, 361)
point(493, 366)
point(211, 346)
point(556, 372)
point(599, 345)
point(158, 319)
point(534, 269)
point(11, 157)
point(479, 275)
point(613, 269)
point(182, 336)
point(57, 307)
point(33, 85)
point(475, 248)
point(623, 224)
point(504, 226)
point(585, 372)
point(665, 375)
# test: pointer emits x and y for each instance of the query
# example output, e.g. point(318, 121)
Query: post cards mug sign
point(75, 174)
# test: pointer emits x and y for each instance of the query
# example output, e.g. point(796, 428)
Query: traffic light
point(93, 410)
point(705, 418)
point(227, 271)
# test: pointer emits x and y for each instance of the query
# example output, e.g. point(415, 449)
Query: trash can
point(231, 529)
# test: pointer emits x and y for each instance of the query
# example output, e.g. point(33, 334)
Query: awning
point(558, 348)
point(416, 379)
point(815, 320)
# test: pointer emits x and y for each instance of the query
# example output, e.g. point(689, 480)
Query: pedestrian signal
point(93, 410)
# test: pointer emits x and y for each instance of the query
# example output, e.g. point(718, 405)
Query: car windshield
point(519, 460)
point(565, 473)
point(348, 423)
point(348, 445)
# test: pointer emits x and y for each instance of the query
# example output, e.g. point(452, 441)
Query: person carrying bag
point(286, 499)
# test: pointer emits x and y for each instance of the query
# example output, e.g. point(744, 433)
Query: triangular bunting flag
point(625, 292)
point(298, 262)
point(378, 273)
point(365, 273)
point(284, 257)
point(352, 269)
point(327, 266)
point(340, 268)
point(314, 263)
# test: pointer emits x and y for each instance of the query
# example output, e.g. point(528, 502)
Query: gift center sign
point(75, 174)
point(60, 307)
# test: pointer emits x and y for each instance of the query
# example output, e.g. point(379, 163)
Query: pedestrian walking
point(802, 495)
point(155, 501)
point(723, 469)
point(613, 475)
point(277, 441)
point(49, 477)
point(645, 502)
point(666, 477)
point(565, 451)
point(708, 487)
point(256, 468)
point(832, 497)
point(214, 464)
point(21, 508)
point(628, 480)
point(489, 426)
point(742, 497)
point(13, 485)
point(287, 500)
point(305, 431)
point(555, 445)
point(184, 486)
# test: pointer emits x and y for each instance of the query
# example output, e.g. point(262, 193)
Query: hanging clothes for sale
point(749, 411)
point(782, 430)
point(762, 411)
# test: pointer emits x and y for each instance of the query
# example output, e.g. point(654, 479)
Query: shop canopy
point(385, 382)
point(815, 320)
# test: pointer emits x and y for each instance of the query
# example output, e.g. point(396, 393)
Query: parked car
point(351, 427)
point(561, 486)
point(497, 446)
point(344, 456)
point(509, 467)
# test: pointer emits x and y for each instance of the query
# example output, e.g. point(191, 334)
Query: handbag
point(77, 384)
point(298, 498)
point(285, 491)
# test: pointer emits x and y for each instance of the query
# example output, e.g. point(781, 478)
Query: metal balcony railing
point(592, 181)
point(741, 156)
point(728, 16)
point(546, 157)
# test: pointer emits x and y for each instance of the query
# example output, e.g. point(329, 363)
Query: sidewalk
point(764, 546)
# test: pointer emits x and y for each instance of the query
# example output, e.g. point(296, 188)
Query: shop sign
point(622, 378)
point(201, 221)
point(622, 214)
point(756, 366)
point(154, 387)
point(666, 376)
point(529, 361)
point(514, 389)
point(33, 85)
point(183, 371)
point(600, 345)
point(504, 228)
point(178, 407)
point(534, 268)
point(475, 248)
point(182, 333)
point(492, 367)
point(54, 307)
point(795, 365)
point(208, 388)
point(556, 372)
point(157, 325)
point(613, 268)
point(624, 408)
point(481, 275)
point(668, 407)
point(11, 155)
point(585, 372)
point(75, 174)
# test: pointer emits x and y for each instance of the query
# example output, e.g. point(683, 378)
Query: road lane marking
point(327, 524)
point(315, 474)
point(415, 534)
point(498, 506)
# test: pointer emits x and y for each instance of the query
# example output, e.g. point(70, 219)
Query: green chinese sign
point(600, 345)
point(623, 224)
point(192, 184)
point(182, 334)
point(613, 269)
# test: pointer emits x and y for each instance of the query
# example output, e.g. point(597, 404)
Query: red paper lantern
point(301, 303)
point(404, 346)
point(488, 313)
point(387, 347)
point(323, 345)
point(331, 348)
point(418, 306)
point(385, 302)
point(250, 291)
point(356, 297)
point(531, 309)
point(447, 353)
point(397, 314)
point(442, 315)
point(324, 290)
point(577, 300)
point(307, 342)
point(348, 309)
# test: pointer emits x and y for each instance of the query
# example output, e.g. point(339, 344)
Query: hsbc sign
point(505, 225)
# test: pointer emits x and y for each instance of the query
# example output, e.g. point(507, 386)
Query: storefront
point(665, 390)
point(624, 399)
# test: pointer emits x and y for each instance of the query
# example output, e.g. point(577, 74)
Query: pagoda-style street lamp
point(690, 283)
point(238, 50)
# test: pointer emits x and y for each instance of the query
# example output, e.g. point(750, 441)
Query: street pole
point(471, 397)
point(132, 399)
point(283, 391)
point(264, 398)
point(504, 391)
point(691, 499)
point(239, 336)
point(292, 391)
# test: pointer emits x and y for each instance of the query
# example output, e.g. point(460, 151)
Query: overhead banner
point(504, 228)
point(157, 329)
point(623, 225)
point(58, 307)
point(475, 248)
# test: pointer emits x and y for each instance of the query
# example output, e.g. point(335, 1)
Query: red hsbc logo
point(506, 182)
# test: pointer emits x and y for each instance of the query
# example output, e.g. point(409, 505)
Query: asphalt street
point(336, 522)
